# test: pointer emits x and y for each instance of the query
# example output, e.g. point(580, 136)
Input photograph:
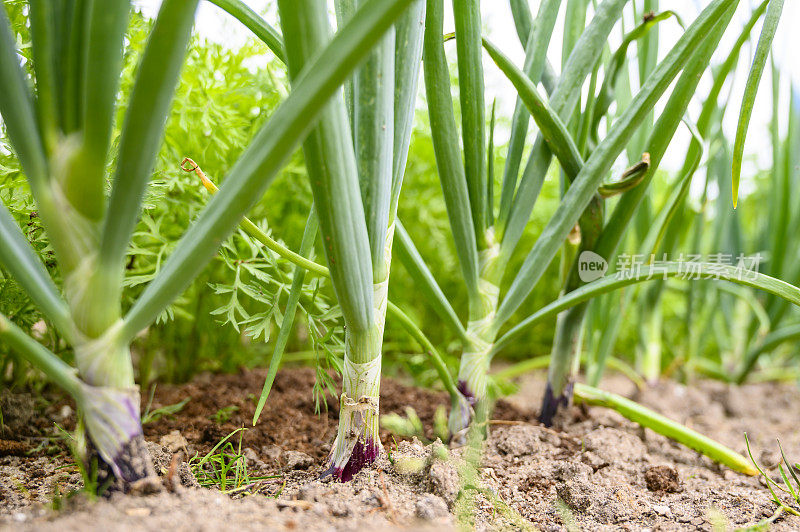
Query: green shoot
point(787, 487)
point(164, 411)
point(225, 467)
point(224, 414)
point(151, 416)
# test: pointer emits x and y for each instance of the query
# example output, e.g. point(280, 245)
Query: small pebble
point(174, 441)
point(65, 412)
point(272, 452)
point(662, 509)
point(297, 460)
point(430, 507)
point(138, 512)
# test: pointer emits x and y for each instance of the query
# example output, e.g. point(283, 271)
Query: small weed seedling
point(225, 467)
point(788, 474)
point(92, 488)
point(224, 414)
point(151, 416)
point(411, 425)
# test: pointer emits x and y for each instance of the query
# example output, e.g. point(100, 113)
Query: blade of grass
point(767, 479)
point(307, 244)
point(771, 20)
point(790, 468)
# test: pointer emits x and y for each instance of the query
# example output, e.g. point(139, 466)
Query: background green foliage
point(226, 319)
point(229, 315)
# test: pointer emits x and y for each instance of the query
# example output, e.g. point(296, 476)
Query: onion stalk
point(355, 158)
point(581, 204)
point(302, 264)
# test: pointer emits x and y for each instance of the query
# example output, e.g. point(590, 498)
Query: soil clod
point(662, 478)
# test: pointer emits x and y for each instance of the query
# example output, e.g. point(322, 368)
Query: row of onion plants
point(59, 112)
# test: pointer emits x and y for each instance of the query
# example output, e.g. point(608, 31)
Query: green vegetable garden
point(327, 277)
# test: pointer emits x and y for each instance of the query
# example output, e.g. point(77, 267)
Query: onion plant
point(357, 442)
point(674, 230)
point(756, 324)
point(486, 240)
point(662, 233)
point(58, 115)
point(356, 159)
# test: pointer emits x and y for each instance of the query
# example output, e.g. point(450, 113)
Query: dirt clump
point(12, 448)
point(662, 478)
point(17, 411)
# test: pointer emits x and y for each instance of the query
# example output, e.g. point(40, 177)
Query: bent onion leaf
point(771, 20)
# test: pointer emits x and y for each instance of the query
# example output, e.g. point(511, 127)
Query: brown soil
point(598, 471)
point(288, 419)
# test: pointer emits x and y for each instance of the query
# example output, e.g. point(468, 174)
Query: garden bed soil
point(596, 471)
